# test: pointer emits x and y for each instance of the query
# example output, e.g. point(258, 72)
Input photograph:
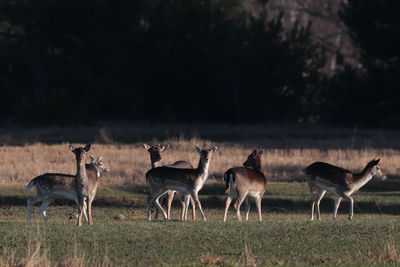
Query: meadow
point(285, 237)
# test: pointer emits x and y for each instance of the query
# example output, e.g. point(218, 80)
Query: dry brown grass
point(37, 256)
point(389, 253)
point(212, 260)
point(129, 162)
point(247, 257)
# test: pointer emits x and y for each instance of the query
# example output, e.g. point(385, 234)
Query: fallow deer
point(50, 186)
point(187, 181)
point(323, 177)
point(82, 182)
point(155, 152)
point(242, 182)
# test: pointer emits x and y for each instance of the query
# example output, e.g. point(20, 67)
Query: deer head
point(376, 170)
point(98, 164)
point(254, 160)
point(79, 151)
point(205, 154)
point(155, 151)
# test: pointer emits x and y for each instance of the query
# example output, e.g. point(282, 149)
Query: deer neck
point(203, 167)
point(155, 163)
point(81, 175)
point(363, 177)
point(257, 165)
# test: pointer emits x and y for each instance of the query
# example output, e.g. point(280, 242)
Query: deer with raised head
point(50, 186)
point(323, 177)
point(244, 182)
point(186, 181)
point(155, 152)
point(81, 182)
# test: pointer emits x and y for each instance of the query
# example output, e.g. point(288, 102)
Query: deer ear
point(100, 158)
point(87, 148)
point(71, 147)
point(163, 148)
point(260, 151)
point(254, 153)
point(214, 149)
point(198, 149)
point(92, 158)
point(146, 146)
point(377, 161)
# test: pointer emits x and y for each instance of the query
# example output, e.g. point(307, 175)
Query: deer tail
point(30, 185)
point(228, 177)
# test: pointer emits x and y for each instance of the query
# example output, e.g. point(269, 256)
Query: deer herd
point(185, 181)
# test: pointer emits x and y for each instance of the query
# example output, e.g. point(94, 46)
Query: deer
point(187, 181)
point(242, 182)
point(323, 177)
point(49, 186)
point(155, 152)
point(82, 182)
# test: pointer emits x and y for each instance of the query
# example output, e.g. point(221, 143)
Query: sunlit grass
point(280, 239)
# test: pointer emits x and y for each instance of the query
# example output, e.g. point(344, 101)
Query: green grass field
point(285, 237)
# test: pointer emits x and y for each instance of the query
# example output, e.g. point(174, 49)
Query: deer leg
point(43, 207)
point(182, 201)
point(193, 203)
point(85, 214)
point(149, 202)
point(238, 203)
point(189, 198)
point(81, 206)
point(247, 203)
point(336, 207)
point(150, 199)
point(84, 210)
point(162, 199)
point(351, 212)
point(316, 193)
point(80, 210)
point(320, 195)
point(79, 220)
point(313, 208)
point(156, 214)
point(185, 207)
point(160, 207)
point(196, 198)
point(193, 208)
point(29, 205)
point(227, 204)
point(171, 194)
point(259, 207)
point(89, 211)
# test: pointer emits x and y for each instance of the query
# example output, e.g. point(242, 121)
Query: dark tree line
point(189, 61)
point(370, 94)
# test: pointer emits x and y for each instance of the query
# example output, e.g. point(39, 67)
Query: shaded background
point(300, 61)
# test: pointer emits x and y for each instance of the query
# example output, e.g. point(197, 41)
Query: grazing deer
point(187, 181)
point(242, 182)
point(82, 182)
point(52, 185)
point(322, 177)
point(156, 158)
